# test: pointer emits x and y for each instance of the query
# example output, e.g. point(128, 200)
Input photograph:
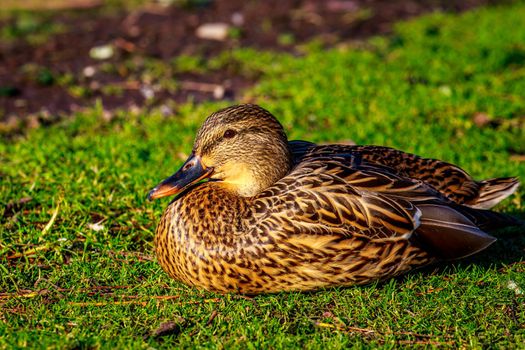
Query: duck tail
point(449, 234)
point(488, 220)
point(456, 231)
point(493, 191)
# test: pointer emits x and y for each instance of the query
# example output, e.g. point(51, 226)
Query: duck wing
point(341, 196)
point(450, 180)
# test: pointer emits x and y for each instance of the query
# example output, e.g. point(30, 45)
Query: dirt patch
point(58, 75)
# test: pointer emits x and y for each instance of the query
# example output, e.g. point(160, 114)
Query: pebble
point(102, 52)
point(218, 92)
point(213, 31)
point(89, 71)
point(20, 103)
point(147, 92)
point(237, 19)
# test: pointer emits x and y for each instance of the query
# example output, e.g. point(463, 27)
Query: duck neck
point(251, 177)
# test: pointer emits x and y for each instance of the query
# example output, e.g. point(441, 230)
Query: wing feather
point(354, 200)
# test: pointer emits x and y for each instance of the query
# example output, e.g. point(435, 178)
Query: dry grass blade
point(106, 303)
point(345, 328)
point(18, 295)
point(143, 303)
point(52, 220)
point(30, 252)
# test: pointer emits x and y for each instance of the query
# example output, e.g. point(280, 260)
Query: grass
point(76, 237)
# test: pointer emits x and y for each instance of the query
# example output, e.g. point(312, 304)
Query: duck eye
point(228, 134)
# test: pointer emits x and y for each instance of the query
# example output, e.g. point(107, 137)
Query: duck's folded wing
point(450, 180)
point(327, 195)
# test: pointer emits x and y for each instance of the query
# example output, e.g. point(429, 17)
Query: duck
point(255, 213)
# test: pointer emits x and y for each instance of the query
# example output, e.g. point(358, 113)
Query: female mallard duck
point(278, 215)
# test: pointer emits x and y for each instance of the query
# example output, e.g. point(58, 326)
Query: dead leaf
point(170, 328)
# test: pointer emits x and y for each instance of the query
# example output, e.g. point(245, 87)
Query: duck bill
point(192, 171)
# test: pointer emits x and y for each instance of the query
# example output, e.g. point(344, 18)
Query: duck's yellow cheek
point(238, 178)
point(236, 173)
point(206, 161)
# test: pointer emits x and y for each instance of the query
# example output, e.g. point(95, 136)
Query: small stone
point(19, 103)
point(218, 92)
point(237, 19)
point(102, 52)
point(213, 31)
point(89, 71)
point(94, 85)
point(147, 92)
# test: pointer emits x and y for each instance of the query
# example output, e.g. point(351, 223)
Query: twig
point(212, 317)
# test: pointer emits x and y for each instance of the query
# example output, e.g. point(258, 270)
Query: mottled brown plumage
point(277, 215)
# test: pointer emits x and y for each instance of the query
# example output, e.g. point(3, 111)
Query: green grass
point(417, 91)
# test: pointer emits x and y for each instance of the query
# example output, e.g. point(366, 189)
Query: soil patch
point(60, 74)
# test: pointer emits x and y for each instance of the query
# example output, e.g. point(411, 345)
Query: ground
point(47, 71)
point(76, 256)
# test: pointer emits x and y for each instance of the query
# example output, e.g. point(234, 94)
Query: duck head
point(244, 147)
